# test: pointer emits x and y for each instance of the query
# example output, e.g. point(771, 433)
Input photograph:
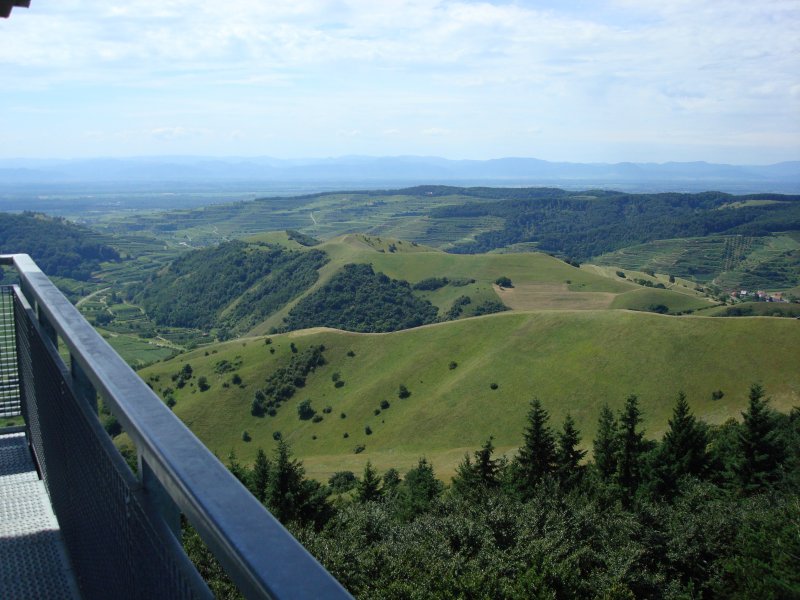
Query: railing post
point(46, 326)
point(82, 385)
point(159, 497)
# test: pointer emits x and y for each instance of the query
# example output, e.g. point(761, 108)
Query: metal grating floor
point(33, 560)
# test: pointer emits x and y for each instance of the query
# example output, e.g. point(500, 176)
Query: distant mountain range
point(360, 171)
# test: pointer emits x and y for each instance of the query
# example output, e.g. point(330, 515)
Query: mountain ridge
point(695, 175)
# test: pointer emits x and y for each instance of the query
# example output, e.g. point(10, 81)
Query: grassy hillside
point(646, 298)
point(572, 360)
point(534, 275)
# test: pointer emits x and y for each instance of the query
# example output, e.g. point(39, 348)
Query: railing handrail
point(257, 552)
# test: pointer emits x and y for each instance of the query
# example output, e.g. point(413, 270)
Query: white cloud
point(476, 67)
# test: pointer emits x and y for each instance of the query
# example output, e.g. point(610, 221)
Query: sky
point(562, 80)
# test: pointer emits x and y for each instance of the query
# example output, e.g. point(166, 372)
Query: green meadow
point(573, 361)
point(532, 273)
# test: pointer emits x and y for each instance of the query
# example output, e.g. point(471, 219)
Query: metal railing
point(121, 530)
point(9, 374)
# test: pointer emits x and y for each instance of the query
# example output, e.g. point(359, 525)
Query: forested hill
point(233, 285)
point(586, 224)
point(358, 299)
point(59, 247)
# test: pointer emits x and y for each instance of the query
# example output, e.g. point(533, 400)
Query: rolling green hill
point(264, 282)
point(572, 360)
point(231, 285)
point(540, 281)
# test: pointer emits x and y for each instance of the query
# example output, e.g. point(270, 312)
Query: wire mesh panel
point(9, 375)
point(118, 544)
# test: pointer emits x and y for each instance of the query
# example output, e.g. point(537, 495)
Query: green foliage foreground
point(709, 512)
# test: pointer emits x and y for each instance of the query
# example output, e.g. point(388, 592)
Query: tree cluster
point(59, 247)
point(707, 512)
point(358, 299)
point(282, 383)
point(569, 224)
point(196, 289)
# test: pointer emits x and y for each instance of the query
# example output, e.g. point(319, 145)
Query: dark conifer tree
point(685, 441)
point(568, 456)
point(631, 448)
point(762, 452)
point(606, 444)
point(471, 479)
point(260, 476)
point(368, 489)
point(239, 471)
point(419, 489)
point(391, 481)
point(292, 497)
point(488, 468)
point(537, 457)
point(465, 481)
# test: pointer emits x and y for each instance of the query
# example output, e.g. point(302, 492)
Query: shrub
point(223, 366)
point(327, 410)
point(342, 416)
point(345, 435)
point(376, 412)
point(338, 384)
point(336, 376)
point(277, 436)
point(293, 348)
point(236, 379)
point(494, 386)
point(305, 411)
point(431, 283)
point(453, 364)
point(403, 392)
point(316, 419)
point(246, 436)
point(202, 383)
point(350, 353)
point(504, 282)
point(368, 430)
point(342, 481)
point(621, 274)
point(489, 307)
point(359, 449)
point(717, 395)
point(257, 408)
point(461, 281)
point(171, 402)
point(385, 404)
